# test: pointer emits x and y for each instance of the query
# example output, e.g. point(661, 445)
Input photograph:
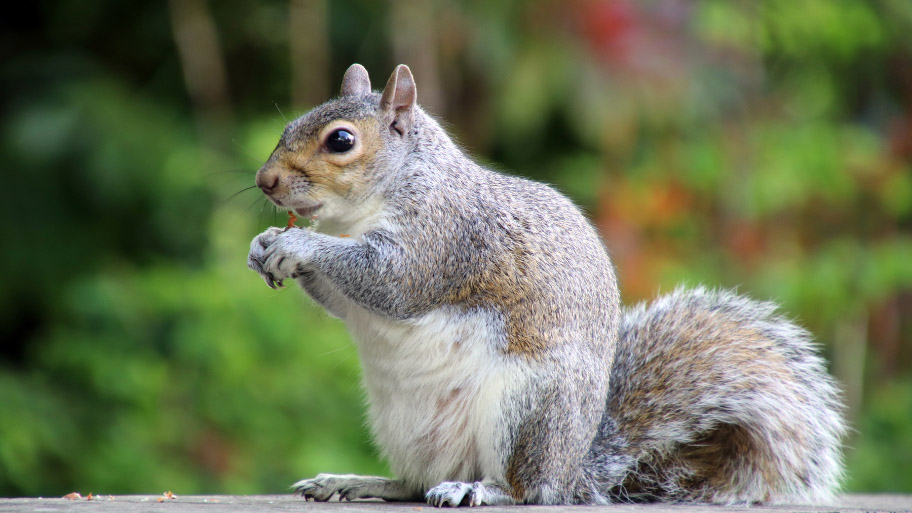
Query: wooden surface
point(231, 503)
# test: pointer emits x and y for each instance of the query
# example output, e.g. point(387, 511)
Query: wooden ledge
point(236, 503)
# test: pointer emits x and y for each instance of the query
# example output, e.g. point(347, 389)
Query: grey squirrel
point(499, 364)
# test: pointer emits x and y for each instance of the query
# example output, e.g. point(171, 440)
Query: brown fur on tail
point(716, 398)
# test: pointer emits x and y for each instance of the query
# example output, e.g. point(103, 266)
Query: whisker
point(228, 184)
point(236, 194)
point(263, 208)
point(341, 360)
point(336, 350)
point(280, 111)
point(247, 153)
point(233, 171)
point(265, 200)
point(244, 212)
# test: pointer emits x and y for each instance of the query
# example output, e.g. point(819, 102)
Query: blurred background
point(765, 146)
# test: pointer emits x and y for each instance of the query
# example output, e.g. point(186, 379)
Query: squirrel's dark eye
point(340, 141)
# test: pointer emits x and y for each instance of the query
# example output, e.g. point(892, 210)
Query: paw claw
point(449, 494)
point(276, 254)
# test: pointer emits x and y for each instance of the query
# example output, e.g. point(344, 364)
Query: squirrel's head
point(332, 161)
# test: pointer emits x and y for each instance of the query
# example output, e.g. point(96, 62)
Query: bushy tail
point(714, 397)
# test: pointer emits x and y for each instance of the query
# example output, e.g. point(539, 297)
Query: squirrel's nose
point(267, 182)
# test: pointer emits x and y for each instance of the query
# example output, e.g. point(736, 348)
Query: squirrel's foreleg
point(351, 487)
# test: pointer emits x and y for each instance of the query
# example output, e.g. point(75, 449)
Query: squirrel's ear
point(356, 82)
point(399, 97)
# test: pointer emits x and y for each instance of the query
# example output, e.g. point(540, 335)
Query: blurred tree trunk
point(203, 67)
point(308, 39)
point(413, 30)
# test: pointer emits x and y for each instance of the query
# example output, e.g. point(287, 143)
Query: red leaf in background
point(609, 26)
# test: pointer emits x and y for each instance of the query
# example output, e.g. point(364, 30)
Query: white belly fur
point(434, 387)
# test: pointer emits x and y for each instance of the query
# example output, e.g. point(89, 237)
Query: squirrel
point(499, 364)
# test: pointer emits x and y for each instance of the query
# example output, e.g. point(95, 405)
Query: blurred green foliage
point(759, 145)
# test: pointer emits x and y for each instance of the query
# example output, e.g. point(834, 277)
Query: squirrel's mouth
point(307, 211)
point(303, 211)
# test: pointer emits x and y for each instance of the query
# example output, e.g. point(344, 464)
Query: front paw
point(279, 253)
point(256, 258)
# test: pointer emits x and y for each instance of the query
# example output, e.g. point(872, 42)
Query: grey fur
point(697, 373)
point(723, 363)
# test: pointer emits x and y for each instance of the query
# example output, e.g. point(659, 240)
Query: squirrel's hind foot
point(455, 493)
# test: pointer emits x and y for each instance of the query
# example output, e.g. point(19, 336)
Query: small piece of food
point(292, 218)
point(72, 496)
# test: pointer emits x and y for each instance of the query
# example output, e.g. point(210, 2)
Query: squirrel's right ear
point(356, 82)
point(398, 99)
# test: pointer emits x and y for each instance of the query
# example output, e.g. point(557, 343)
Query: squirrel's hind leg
point(351, 487)
point(455, 493)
